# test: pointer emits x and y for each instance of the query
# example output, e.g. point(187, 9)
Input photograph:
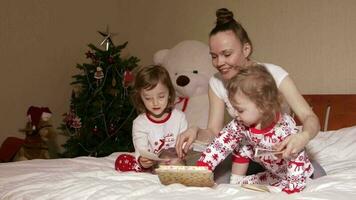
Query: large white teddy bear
point(190, 68)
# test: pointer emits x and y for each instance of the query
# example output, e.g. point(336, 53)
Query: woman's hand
point(145, 162)
point(205, 135)
point(292, 145)
point(185, 140)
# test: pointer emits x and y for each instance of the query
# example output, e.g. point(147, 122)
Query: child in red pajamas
point(259, 124)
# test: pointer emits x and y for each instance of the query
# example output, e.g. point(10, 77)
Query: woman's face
point(228, 54)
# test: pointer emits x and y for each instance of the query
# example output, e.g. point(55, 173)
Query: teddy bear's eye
point(195, 71)
point(176, 74)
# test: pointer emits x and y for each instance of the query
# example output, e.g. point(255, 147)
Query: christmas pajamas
point(288, 175)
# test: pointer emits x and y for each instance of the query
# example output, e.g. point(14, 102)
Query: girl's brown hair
point(225, 22)
point(148, 78)
point(259, 86)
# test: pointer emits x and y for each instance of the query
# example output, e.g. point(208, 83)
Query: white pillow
point(332, 147)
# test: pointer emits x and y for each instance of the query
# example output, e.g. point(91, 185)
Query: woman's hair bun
point(223, 16)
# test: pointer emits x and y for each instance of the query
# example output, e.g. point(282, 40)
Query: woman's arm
point(216, 113)
point(215, 124)
point(311, 126)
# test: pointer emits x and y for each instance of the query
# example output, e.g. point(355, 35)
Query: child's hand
point(145, 162)
point(185, 140)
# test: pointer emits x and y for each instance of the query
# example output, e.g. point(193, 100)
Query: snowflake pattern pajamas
point(288, 175)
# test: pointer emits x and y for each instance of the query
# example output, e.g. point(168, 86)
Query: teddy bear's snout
point(182, 80)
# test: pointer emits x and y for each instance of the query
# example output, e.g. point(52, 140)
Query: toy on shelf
point(39, 131)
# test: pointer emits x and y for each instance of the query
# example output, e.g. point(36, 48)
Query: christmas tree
point(100, 118)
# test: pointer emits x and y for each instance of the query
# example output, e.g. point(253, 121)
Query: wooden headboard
point(334, 111)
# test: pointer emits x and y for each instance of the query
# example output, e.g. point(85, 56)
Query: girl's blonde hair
point(259, 86)
point(148, 78)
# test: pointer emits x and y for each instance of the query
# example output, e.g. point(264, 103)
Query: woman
point(230, 49)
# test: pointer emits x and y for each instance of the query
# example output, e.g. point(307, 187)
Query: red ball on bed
point(125, 163)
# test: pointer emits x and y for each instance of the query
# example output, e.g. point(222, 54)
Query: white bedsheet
point(96, 178)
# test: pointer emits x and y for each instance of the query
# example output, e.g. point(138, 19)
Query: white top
point(217, 84)
point(154, 136)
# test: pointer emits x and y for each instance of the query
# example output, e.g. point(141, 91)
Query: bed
point(95, 178)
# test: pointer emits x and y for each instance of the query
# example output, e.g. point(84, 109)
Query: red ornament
point(128, 78)
point(125, 162)
point(76, 123)
point(89, 54)
point(111, 60)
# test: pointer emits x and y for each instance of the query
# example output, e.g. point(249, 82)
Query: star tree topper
point(107, 38)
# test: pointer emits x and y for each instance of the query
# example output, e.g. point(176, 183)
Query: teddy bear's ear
point(159, 56)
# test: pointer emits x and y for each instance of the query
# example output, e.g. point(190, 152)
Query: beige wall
point(41, 41)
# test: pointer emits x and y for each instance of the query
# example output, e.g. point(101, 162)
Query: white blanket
point(96, 178)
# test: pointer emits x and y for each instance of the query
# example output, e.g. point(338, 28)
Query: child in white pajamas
point(159, 123)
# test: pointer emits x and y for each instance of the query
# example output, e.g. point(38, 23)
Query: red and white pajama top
point(288, 175)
